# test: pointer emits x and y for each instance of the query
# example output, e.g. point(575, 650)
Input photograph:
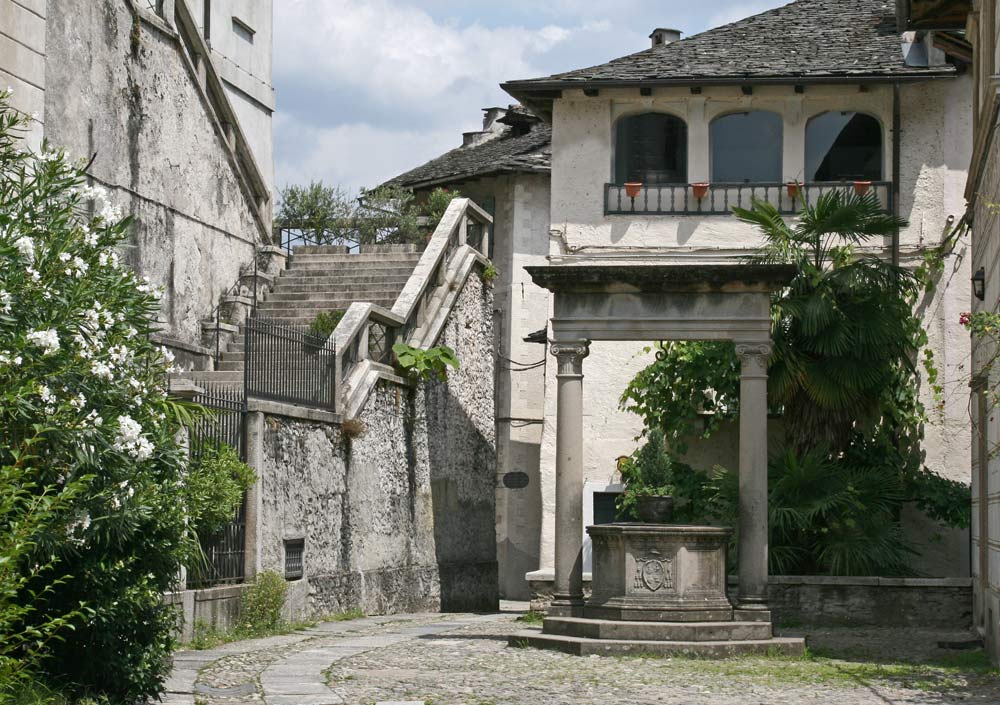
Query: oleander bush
point(95, 521)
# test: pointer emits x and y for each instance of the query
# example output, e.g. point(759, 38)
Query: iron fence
point(301, 237)
point(720, 198)
point(224, 550)
point(289, 365)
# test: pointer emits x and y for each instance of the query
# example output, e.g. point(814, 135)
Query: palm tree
point(843, 329)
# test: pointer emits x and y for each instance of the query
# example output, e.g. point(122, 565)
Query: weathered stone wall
point(831, 601)
point(402, 517)
point(118, 88)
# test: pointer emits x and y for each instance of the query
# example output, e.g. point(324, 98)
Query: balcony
point(720, 198)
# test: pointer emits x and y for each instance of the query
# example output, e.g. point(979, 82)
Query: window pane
point(746, 147)
point(651, 148)
point(843, 147)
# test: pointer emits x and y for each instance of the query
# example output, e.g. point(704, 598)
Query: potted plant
point(700, 189)
point(632, 188)
point(793, 189)
point(648, 475)
point(861, 187)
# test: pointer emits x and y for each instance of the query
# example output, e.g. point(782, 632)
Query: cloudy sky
point(368, 89)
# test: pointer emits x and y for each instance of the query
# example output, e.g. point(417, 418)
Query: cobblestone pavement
point(465, 660)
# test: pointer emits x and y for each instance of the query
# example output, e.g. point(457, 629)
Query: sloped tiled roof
point(510, 152)
point(807, 39)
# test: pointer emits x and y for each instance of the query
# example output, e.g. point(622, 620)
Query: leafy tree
point(384, 215)
point(94, 519)
point(843, 373)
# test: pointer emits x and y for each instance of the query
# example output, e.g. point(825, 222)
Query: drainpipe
point(896, 140)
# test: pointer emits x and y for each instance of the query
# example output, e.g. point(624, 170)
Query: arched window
point(746, 147)
point(843, 147)
point(651, 148)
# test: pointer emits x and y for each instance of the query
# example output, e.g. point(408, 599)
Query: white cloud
point(355, 155)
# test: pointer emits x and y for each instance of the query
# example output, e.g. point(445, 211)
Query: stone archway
point(661, 302)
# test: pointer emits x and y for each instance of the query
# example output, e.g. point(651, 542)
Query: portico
point(646, 302)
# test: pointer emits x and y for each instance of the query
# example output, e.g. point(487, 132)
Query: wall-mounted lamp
point(979, 283)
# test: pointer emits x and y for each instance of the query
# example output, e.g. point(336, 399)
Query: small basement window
point(294, 563)
point(243, 30)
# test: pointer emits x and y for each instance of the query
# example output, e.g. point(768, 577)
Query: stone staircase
point(319, 279)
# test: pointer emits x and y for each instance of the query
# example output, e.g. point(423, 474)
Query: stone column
point(568, 593)
point(753, 475)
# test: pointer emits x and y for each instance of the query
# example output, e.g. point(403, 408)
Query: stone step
point(351, 277)
point(270, 309)
point(392, 260)
point(657, 631)
point(318, 294)
point(342, 249)
point(228, 376)
point(340, 273)
point(581, 646)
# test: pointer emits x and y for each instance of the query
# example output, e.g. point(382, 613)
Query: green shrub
point(89, 451)
point(489, 273)
point(325, 323)
point(216, 486)
point(432, 363)
point(437, 203)
point(261, 605)
point(654, 471)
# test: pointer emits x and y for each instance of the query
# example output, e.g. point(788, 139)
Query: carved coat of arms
point(653, 572)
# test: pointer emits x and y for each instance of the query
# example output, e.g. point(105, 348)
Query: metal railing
point(290, 238)
point(289, 365)
point(720, 198)
point(224, 550)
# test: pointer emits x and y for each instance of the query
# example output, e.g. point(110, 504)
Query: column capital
point(570, 355)
point(753, 358)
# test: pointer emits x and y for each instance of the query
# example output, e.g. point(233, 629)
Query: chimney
point(663, 35)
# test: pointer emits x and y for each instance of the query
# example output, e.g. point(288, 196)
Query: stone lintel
point(681, 278)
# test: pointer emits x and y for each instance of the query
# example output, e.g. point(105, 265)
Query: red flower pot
point(793, 189)
point(632, 188)
point(861, 187)
point(700, 189)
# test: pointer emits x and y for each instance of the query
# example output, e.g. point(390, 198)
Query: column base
point(566, 606)
point(754, 603)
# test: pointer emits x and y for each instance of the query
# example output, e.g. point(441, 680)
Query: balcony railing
point(720, 198)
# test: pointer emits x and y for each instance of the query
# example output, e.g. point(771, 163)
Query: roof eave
point(470, 176)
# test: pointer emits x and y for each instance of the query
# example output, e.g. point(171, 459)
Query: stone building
point(174, 100)
point(819, 92)
point(972, 25)
point(393, 512)
point(505, 168)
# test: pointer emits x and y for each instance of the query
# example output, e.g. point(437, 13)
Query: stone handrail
point(174, 17)
point(421, 299)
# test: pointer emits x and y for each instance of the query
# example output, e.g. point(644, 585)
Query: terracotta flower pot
point(861, 187)
point(793, 189)
point(632, 188)
point(700, 189)
point(655, 510)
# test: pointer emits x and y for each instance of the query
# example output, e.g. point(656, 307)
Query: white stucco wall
point(22, 59)
point(935, 151)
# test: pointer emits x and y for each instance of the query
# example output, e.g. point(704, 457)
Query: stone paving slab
point(465, 660)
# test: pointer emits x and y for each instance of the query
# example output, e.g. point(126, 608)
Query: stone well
point(660, 588)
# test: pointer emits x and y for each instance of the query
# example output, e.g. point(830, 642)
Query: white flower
point(93, 419)
point(33, 273)
point(26, 246)
point(46, 395)
point(48, 340)
point(5, 302)
point(130, 439)
point(102, 370)
point(65, 256)
point(78, 402)
point(90, 237)
point(110, 213)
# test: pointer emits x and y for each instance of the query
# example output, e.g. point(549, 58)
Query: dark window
point(843, 147)
point(746, 147)
point(294, 565)
point(243, 30)
point(605, 507)
point(651, 148)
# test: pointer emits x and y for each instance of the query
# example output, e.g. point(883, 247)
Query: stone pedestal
point(660, 589)
point(659, 572)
